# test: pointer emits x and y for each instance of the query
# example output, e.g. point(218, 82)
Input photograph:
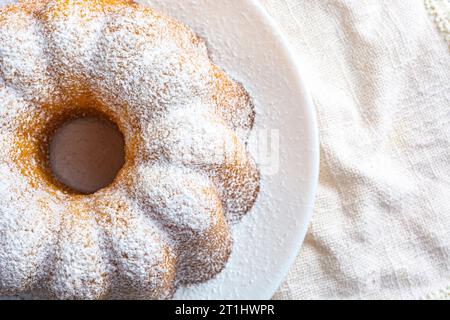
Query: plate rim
point(314, 136)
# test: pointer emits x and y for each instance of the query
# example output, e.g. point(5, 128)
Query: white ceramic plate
point(244, 41)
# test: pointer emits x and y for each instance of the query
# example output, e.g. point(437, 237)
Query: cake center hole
point(86, 154)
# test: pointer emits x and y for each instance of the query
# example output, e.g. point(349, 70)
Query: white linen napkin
point(379, 73)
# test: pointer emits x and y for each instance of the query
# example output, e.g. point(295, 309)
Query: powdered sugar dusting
point(165, 220)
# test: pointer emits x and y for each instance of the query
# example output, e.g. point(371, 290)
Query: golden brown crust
point(163, 222)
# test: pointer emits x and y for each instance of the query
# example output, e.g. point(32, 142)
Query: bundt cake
point(163, 222)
